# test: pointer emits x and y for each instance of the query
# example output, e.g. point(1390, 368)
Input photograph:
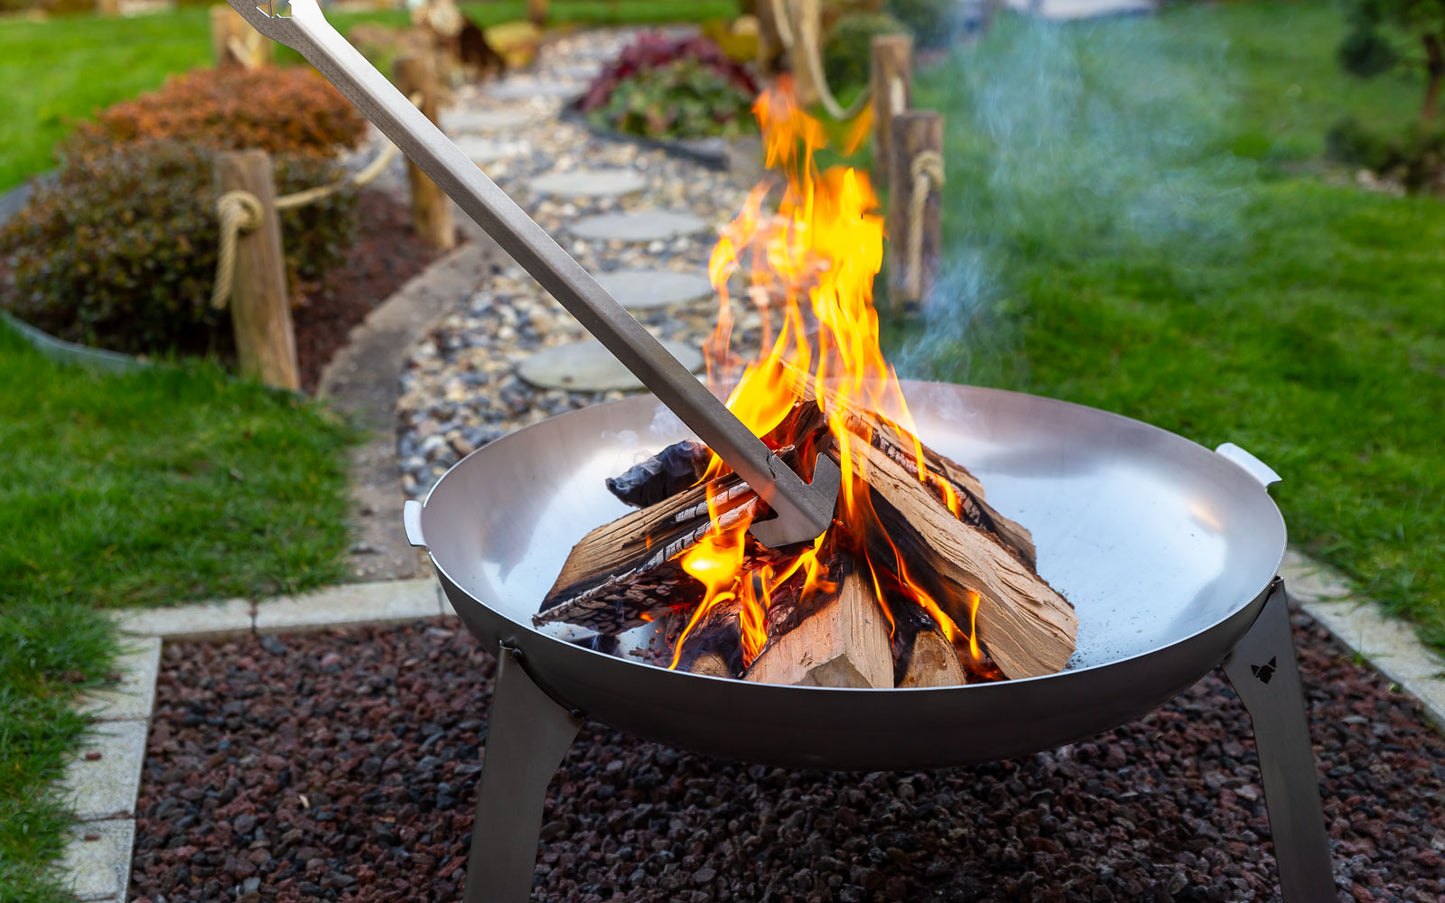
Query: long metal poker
point(803, 511)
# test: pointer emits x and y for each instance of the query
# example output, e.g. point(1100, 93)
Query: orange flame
point(813, 264)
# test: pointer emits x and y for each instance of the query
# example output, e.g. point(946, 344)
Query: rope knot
point(240, 211)
point(927, 172)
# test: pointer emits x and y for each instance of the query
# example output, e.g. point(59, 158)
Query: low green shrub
point(281, 110)
point(846, 52)
point(120, 251)
point(1415, 159)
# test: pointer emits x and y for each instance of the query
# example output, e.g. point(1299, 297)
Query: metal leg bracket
point(529, 733)
point(1264, 672)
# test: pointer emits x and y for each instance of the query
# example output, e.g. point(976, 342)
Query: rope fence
point(806, 39)
point(927, 172)
point(241, 212)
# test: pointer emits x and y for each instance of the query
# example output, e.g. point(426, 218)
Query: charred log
point(662, 476)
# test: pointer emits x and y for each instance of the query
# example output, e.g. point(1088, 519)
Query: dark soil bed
point(386, 254)
point(343, 766)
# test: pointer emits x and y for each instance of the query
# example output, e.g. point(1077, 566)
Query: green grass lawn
point(1137, 220)
point(54, 73)
point(168, 484)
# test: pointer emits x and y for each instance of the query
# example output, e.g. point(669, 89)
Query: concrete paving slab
point(487, 150)
point(587, 366)
point(578, 72)
point(133, 699)
point(1391, 645)
point(102, 781)
point(1075, 10)
point(589, 183)
point(350, 605)
point(517, 89)
point(205, 621)
point(468, 121)
point(640, 225)
point(99, 868)
point(642, 289)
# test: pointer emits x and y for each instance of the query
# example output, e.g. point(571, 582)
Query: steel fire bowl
point(1165, 548)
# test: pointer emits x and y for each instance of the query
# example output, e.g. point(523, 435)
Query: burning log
point(713, 646)
point(843, 642)
point(623, 573)
point(937, 533)
point(1027, 627)
point(922, 654)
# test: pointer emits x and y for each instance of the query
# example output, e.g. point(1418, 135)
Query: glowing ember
point(813, 265)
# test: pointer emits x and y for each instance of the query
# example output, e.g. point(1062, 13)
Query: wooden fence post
point(107, 7)
point(915, 236)
point(891, 90)
point(431, 209)
point(235, 43)
point(260, 305)
point(807, 20)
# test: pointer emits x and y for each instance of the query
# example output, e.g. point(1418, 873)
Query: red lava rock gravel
point(343, 766)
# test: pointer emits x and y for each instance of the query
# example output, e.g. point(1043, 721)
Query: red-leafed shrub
point(670, 87)
point(280, 110)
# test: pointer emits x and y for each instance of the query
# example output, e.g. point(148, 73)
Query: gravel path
point(343, 766)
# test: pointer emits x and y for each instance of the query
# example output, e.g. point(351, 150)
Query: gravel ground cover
point(343, 766)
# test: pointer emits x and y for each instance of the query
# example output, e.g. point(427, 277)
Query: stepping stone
point(1076, 10)
point(589, 183)
point(464, 121)
point(641, 225)
point(486, 150)
point(578, 73)
point(640, 289)
point(520, 90)
point(587, 366)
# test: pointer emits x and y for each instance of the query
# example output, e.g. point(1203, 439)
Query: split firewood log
point(843, 642)
point(1026, 626)
point(922, 654)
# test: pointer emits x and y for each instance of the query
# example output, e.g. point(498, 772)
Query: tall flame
point(813, 264)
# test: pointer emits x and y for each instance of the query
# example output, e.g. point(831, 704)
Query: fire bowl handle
point(1249, 463)
point(411, 522)
point(803, 511)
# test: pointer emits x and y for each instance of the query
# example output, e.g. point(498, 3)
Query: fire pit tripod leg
point(528, 734)
point(1263, 670)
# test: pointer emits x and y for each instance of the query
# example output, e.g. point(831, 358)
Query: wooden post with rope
point(260, 304)
point(431, 209)
point(234, 43)
point(807, 24)
point(891, 88)
point(914, 224)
